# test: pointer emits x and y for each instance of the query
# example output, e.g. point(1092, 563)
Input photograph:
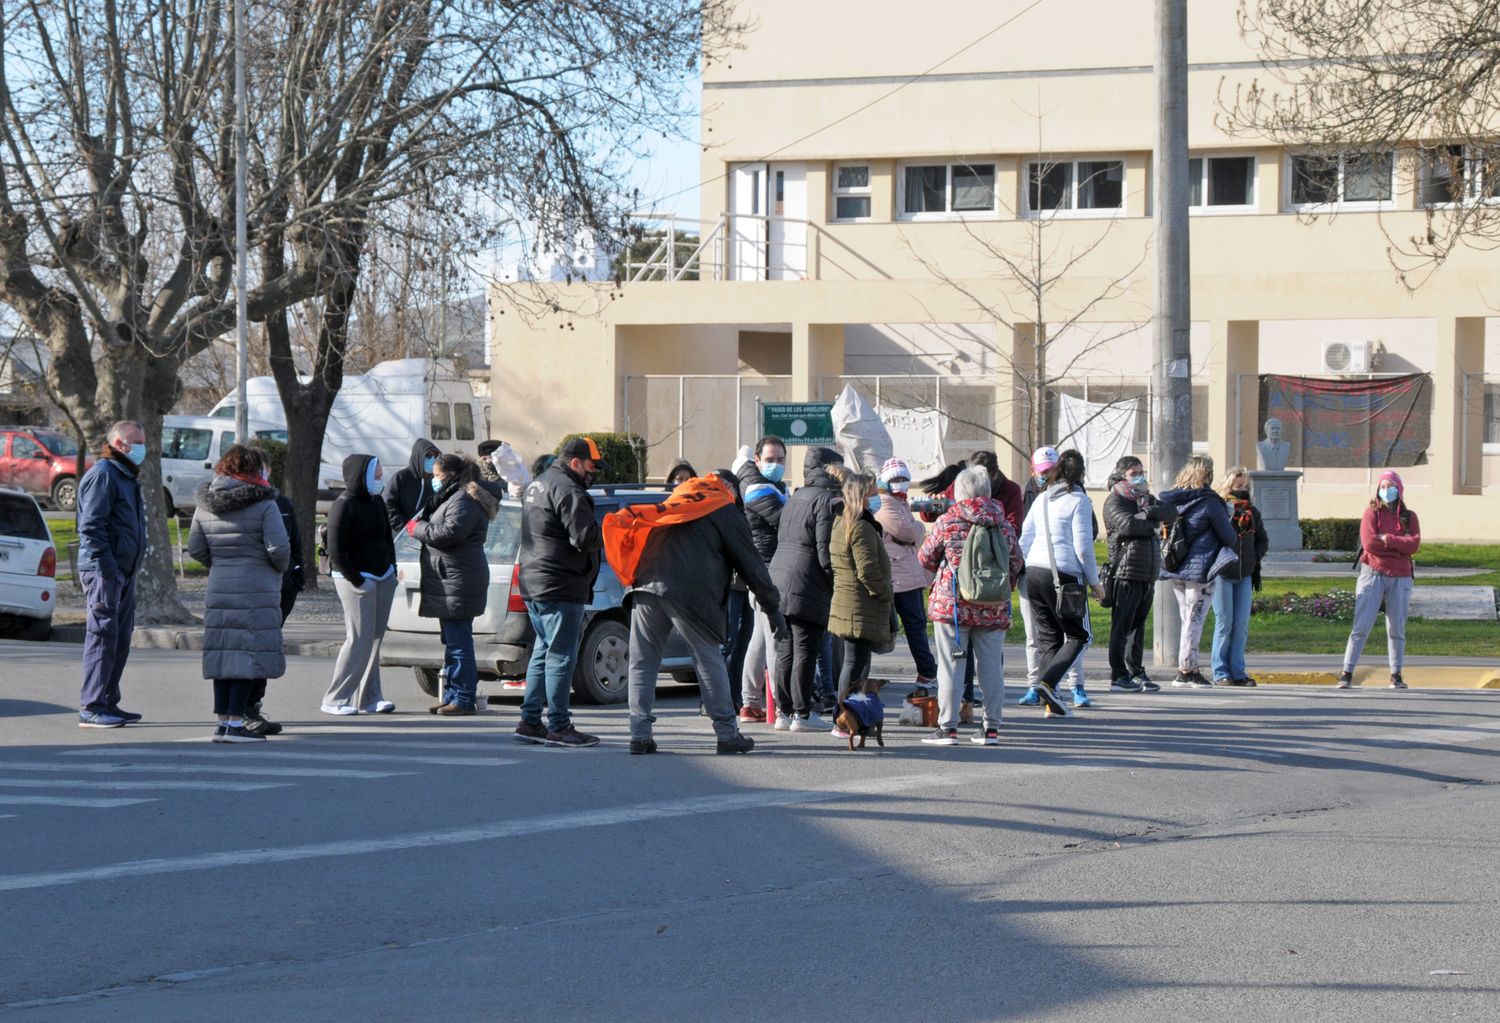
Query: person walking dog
point(1389, 534)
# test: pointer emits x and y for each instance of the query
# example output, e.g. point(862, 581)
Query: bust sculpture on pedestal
point(1271, 454)
point(1274, 488)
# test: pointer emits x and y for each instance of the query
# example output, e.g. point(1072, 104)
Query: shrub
point(624, 455)
point(1330, 534)
point(1334, 605)
point(275, 453)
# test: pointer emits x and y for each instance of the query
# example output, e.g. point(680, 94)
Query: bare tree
point(1373, 77)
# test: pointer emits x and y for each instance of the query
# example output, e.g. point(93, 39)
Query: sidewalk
point(299, 639)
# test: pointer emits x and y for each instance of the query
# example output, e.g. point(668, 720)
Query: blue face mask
point(428, 463)
point(1389, 494)
point(873, 504)
point(437, 484)
point(773, 472)
point(136, 454)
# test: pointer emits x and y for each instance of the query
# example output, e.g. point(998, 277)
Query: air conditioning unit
point(1351, 358)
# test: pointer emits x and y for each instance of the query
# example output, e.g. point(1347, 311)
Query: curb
point(1371, 678)
point(158, 638)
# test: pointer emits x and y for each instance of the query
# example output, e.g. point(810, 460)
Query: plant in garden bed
point(1334, 604)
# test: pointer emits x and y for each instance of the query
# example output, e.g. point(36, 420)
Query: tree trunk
point(306, 422)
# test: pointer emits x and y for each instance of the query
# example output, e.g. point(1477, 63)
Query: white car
point(28, 565)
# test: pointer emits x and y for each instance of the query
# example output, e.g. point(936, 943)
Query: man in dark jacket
point(111, 547)
point(409, 491)
point(764, 495)
point(680, 584)
point(803, 571)
point(558, 562)
point(1133, 518)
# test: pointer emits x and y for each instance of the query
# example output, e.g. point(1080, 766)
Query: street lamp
point(241, 242)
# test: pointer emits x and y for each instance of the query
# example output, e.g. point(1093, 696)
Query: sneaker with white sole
point(1030, 698)
point(379, 707)
point(942, 737)
point(988, 737)
point(1147, 686)
point(218, 735)
point(783, 723)
point(1051, 705)
point(339, 709)
point(238, 733)
point(838, 732)
point(98, 719)
point(810, 723)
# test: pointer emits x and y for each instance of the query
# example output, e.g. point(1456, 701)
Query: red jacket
point(944, 549)
point(1391, 556)
point(1011, 501)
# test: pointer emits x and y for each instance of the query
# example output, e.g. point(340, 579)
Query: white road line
point(126, 786)
point(281, 753)
point(241, 768)
point(91, 804)
point(639, 813)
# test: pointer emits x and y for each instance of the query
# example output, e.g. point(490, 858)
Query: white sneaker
point(379, 707)
point(783, 723)
point(338, 708)
point(811, 723)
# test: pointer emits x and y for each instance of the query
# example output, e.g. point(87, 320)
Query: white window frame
point(1073, 212)
point(851, 193)
point(1473, 179)
point(948, 212)
point(1206, 210)
point(1338, 205)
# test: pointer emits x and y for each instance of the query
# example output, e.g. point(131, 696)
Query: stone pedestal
point(1275, 494)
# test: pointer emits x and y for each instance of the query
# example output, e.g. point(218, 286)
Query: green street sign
point(804, 422)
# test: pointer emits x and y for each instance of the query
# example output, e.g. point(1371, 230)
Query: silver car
point(503, 635)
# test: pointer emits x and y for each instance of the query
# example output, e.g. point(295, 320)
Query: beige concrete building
point(862, 222)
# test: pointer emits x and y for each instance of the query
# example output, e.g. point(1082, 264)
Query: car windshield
point(59, 444)
point(19, 517)
point(501, 543)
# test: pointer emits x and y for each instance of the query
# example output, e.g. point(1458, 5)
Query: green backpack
point(984, 568)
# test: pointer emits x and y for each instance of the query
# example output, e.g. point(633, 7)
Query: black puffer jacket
point(455, 569)
point(691, 565)
point(1252, 545)
point(801, 567)
point(408, 492)
point(359, 535)
point(560, 538)
point(1134, 543)
point(763, 503)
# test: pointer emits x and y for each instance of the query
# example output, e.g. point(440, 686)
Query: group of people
point(780, 596)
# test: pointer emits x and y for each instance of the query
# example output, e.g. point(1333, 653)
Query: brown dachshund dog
point(862, 714)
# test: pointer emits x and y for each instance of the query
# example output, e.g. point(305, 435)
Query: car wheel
point(685, 678)
point(603, 671)
point(427, 680)
point(65, 494)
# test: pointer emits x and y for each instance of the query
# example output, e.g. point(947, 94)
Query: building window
point(441, 421)
point(1222, 182)
point(1084, 186)
point(941, 189)
point(1349, 179)
point(1455, 174)
point(851, 192)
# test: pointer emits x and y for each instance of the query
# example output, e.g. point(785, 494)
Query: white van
point(190, 448)
point(382, 413)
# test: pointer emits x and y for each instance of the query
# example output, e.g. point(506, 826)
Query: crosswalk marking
point(259, 770)
point(282, 753)
point(129, 786)
point(78, 801)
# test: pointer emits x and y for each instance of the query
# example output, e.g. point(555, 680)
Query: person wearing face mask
point(559, 561)
point(861, 610)
point(409, 491)
point(111, 546)
point(1238, 581)
point(362, 556)
point(764, 495)
point(1132, 529)
point(903, 536)
point(1043, 460)
point(1389, 534)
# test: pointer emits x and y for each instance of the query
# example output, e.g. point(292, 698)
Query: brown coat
point(861, 583)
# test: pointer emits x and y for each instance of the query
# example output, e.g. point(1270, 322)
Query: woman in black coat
point(1133, 518)
point(455, 573)
point(362, 556)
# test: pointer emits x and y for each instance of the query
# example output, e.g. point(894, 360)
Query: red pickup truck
point(42, 462)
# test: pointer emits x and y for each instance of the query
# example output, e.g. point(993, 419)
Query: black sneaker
point(1243, 683)
point(942, 737)
point(125, 715)
point(571, 737)
point(1397, 682)
point(1053, 707)
point(739, 744)
point(1346, 680)
point(260, 726)
point(219, 734)
point(1147, 686)
point(239, 733)
point(526, 731)
point(640, 747)
point(1125, 685)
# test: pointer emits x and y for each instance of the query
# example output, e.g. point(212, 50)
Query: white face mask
point(899, 486)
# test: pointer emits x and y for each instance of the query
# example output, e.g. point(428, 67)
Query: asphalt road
point(1290, 854)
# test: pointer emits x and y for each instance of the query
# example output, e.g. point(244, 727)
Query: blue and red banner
point(1380, 424)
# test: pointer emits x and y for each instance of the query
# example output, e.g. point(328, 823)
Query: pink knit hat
point(894, 469)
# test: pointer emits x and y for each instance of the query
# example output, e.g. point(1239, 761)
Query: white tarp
point(917, 438)
point(862, 437)
point(1102, 432)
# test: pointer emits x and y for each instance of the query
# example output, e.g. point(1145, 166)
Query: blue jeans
point(1231, 627)
point(460, 670)
point(558, 625)
point(826, 678)
point(913, 615)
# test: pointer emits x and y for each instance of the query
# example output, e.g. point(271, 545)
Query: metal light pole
point(1171, 387)
point(241, 240)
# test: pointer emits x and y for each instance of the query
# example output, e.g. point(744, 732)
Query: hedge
point(1330, 534)
point(624, 456)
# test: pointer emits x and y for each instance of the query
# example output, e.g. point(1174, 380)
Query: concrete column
point(1016, 370)
point(1457, 406)
point(1233, 415)
point(817, 352)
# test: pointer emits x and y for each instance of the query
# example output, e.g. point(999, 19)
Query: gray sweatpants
point(356, 673)
point(757, 659)
point(989, 672)
point(1074, 677)
point(652, 621)
point(1369, 590)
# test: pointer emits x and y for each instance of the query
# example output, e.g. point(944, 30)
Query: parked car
point(28, 566)
point(41, 462)
point(190, 448)
point(503, 636)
